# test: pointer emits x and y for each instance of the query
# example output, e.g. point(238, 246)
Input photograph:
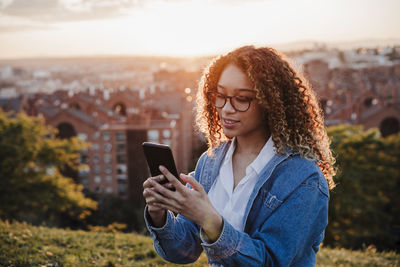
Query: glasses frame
point(225, 97)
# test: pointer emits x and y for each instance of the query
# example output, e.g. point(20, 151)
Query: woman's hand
point(194, 203)
point(157, 214)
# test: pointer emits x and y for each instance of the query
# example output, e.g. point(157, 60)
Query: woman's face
point(233, 82)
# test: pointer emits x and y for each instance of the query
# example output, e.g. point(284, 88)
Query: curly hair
point(294, 117)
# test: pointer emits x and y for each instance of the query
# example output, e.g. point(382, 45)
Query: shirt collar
point(265, 155)
point(229, 153)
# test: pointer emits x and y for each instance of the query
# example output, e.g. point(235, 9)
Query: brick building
point(368, 96)
point(116, 123)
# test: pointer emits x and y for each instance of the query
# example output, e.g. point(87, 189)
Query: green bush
point(114, 209)
point(32, 186)
point(365, 205)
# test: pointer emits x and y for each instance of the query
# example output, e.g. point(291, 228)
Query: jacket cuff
point(164, 232)
point(224, 246)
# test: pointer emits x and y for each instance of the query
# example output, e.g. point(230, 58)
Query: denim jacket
point(285, 218)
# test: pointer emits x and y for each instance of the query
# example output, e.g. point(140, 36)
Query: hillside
point(25, 245)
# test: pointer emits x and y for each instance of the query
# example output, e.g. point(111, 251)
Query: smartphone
point(159, 154)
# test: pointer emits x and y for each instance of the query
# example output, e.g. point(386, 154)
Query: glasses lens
point(217, 99)
point(241, 103)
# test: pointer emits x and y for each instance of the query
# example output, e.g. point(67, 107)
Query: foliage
point(114, 209)
point(365, 205)
point(111, 228)
point(25, 245)
point(32, 187)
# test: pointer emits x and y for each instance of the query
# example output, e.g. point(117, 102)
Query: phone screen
point(159, 154)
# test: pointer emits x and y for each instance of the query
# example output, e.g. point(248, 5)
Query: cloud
point(11, 24)
point(73, 10)
point(65, 10)
point(26, 15)
point(19, 28)
point(5, 3)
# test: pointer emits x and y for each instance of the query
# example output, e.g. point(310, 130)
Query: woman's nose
point(228, 106)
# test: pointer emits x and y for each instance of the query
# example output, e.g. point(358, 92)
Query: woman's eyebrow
point(238, 89)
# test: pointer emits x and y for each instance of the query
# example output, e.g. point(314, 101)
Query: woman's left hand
point(194, 203)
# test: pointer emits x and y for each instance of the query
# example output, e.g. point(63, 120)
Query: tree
point(365, 204)
point(32, 187)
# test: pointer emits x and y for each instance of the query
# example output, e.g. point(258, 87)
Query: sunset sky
point(47, 28)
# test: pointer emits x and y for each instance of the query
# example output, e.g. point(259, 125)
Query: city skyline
point(66, 28)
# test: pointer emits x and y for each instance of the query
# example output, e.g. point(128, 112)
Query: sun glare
point(196, 28)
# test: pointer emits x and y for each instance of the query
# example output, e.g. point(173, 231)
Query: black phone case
point(159, 154)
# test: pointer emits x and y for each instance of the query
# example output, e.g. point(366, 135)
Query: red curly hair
point(294, 117)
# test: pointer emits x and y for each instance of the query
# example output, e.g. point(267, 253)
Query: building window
point(84, 159)
point(121, 158)
point(95, 147)
point(82, 136)
point(96, 135)
point(106, 136)
point(122, 178)
point(153, 136)
point(107, 147)
point(84, 170)
point(97, 169)
point(122, 187)
point(120, 148)
point(166, 133)
point(108, 178)
point(121, 169)
point(96, 159)
point(97, 179)
point(120, 136)
point(108, 169)
point(107, 158)
point(109, 189)
point(166, 142)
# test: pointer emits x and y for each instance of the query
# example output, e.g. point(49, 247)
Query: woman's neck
point(251, 144)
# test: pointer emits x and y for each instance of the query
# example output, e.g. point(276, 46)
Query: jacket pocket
point(272, 202)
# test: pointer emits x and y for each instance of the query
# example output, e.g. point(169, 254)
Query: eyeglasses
point(239, 103)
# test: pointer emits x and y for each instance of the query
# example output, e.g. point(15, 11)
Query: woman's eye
point(243, 98)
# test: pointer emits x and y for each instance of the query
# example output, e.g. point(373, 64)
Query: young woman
point(259, 197)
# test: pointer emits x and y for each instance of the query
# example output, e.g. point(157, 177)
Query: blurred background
point(84, 82)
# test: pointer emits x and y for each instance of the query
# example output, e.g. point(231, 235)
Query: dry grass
point(25, 245)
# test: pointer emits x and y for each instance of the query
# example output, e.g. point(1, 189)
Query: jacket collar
point(212, 168)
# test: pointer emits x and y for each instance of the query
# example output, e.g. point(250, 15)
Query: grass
point(25, 245)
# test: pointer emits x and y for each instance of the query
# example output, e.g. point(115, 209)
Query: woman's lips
point(228, 123)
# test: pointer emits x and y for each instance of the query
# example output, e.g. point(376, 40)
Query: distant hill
point(345, 45)
point(285, 47)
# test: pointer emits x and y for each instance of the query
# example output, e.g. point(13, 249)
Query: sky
point(65, 28)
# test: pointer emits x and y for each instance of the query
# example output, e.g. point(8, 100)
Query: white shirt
point(230, 203)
